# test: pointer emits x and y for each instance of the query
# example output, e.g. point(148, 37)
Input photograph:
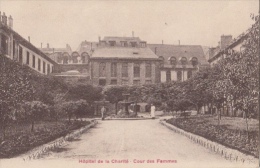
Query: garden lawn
point(19, 138)
point(231, 132)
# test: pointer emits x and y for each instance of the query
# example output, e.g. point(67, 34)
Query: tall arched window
point(179, 75)
point(102, 69)
point(84, 57)
point(161, 61)
point(75, 57)
point(148, 70)
point(113, 69)
point(65, 58)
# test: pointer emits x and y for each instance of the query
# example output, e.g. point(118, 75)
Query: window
point(194, 61)
point(39, 64)
point(143, 44)
point(161, 61)
point(124, 82)
point(189, 74)
point(20, 54)
point(148, 81)
point(123, 43)
point(112, 43)
point(133, 44)
point(4, 45)
point(113, 82)
point(173, 60)
point(136, 82)
point(168, 76)
point(28, 58)
point(136, 70)
point(113, 70)
point(43, 66)
point(179, 75)
point(102, 69)
point(33, 61)
point(48, 68)
point(124, 70)
point(148, 70)
point(102, 82)
point(14, 51)
point(183, 61)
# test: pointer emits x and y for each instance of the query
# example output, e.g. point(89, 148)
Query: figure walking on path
point(103, 110)
point(152, 111)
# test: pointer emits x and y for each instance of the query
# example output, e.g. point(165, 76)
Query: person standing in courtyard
point(152, 111)
point(103, 110)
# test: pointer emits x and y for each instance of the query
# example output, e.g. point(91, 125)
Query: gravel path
point(132, 143)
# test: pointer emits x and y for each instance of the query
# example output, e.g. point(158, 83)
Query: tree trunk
point(116, 104)
point(32, 126)
point(247, 129)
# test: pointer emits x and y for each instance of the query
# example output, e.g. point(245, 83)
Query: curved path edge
point(37, 152)
point(227, 153)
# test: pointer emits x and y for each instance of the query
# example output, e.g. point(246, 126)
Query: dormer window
point(143, 44)
point(123, 43)
point(161, 58)
point(173, 60)
point(194, 61)
point(133, 44)
point(183, 60)
point(112, 43)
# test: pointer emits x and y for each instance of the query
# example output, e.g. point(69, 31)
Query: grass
point(20, 139)
point(231, 132)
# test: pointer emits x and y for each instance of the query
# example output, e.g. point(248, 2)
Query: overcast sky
point(192, 22)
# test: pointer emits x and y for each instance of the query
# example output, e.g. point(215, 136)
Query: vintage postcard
point(132, 83)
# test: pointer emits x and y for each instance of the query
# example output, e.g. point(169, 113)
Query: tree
point(69, 107)
point(114, 94)
point(35, 111)
point(15, 88)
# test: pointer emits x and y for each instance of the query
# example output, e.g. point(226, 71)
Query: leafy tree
point(114, 94)
point(35, 111)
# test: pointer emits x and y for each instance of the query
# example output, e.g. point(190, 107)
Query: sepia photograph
point(129, 84)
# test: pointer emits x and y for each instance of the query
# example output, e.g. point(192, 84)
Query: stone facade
point(124, 61)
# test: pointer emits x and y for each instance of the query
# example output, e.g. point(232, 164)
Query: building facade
point(123, 61)
point(226, 44)
point(16, 48)
point(178, 62)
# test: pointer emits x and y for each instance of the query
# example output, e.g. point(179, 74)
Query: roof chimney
point(48, 46)
point(29, 39)
point(155, 50)
point(133, 34)
point(10, 22)
point(162, 41)
point(0, 18)
point(99, 38)
point(4, 19)
point(179, 42)
point(225, 40)
point(41, 45)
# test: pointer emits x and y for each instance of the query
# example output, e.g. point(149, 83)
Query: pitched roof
point(124, 53)
point(27, 44)
point(178, 51)
point(118, 39)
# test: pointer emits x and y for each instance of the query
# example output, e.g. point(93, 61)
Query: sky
point(197, 22)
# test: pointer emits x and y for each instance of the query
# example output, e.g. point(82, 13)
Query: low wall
point(227, 153)
point(37, 152)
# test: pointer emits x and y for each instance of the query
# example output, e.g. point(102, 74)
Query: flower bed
point(24, 141)
point(235, 139)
